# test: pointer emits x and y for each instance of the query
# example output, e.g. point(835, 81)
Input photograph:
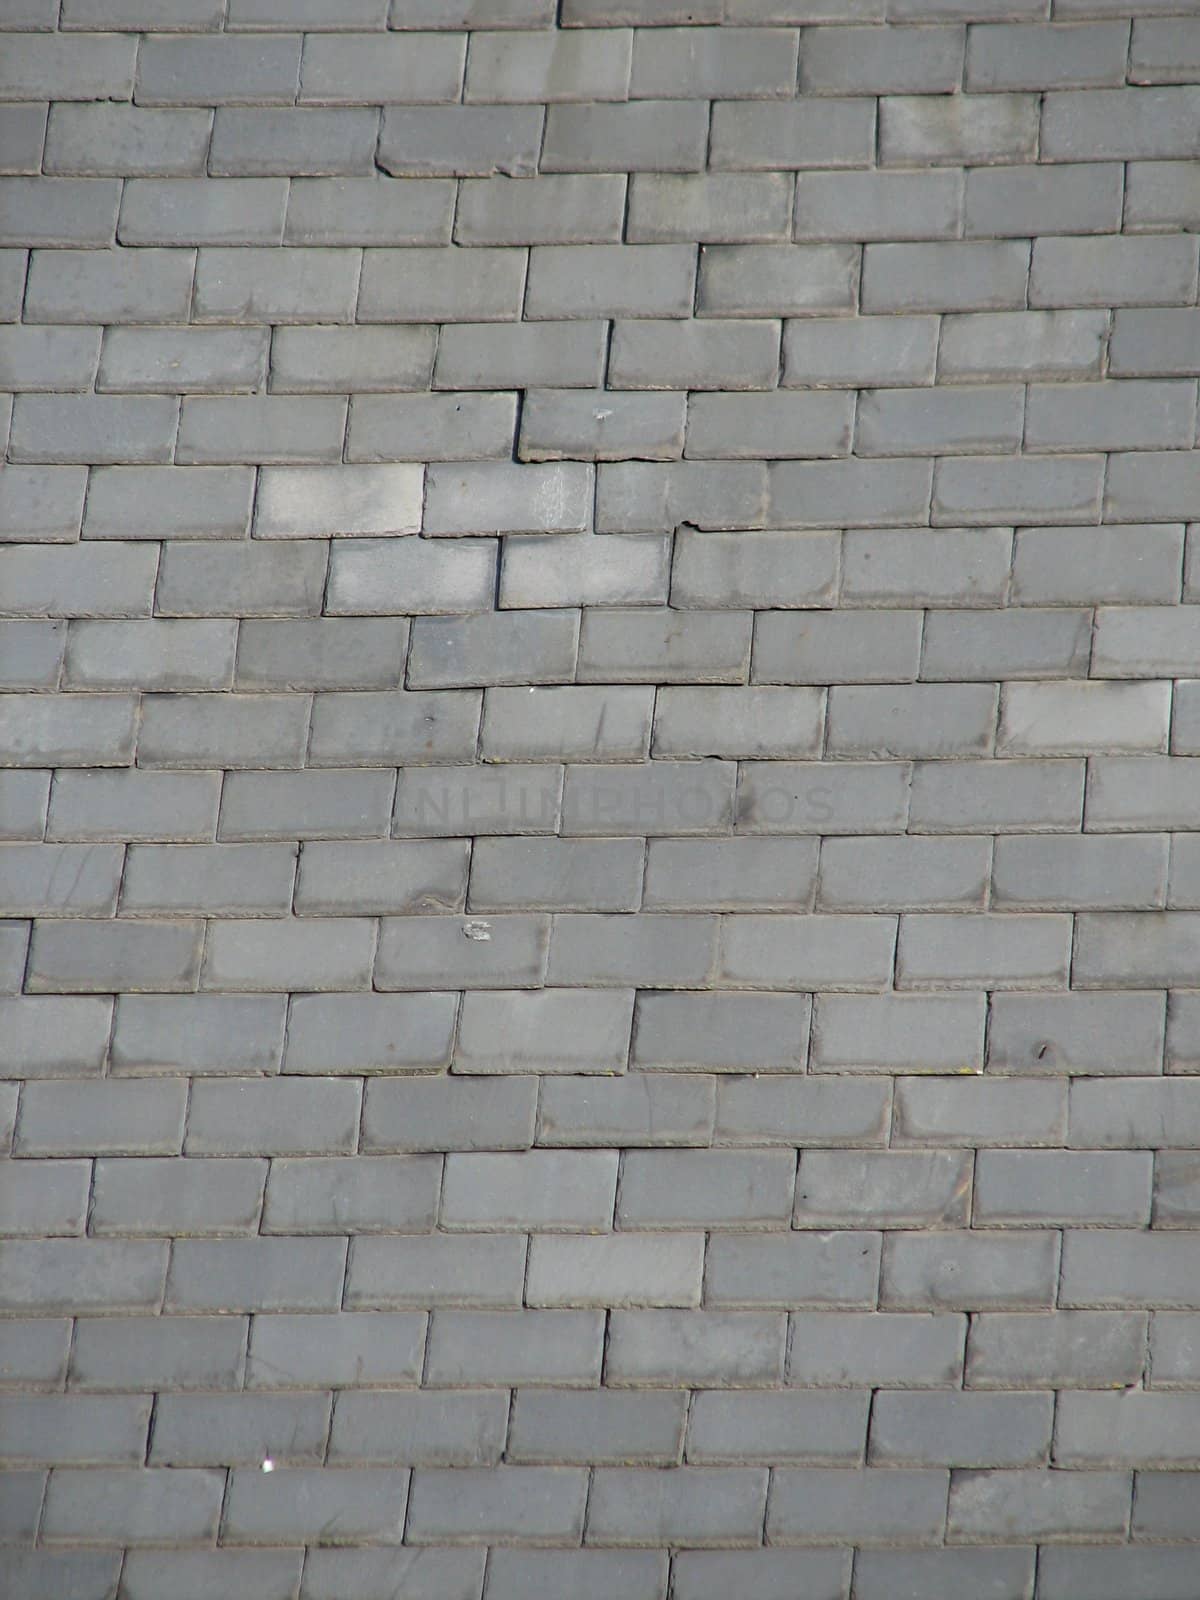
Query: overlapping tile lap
point(600, 958)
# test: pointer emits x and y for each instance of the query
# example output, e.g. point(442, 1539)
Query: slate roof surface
point(600, 798)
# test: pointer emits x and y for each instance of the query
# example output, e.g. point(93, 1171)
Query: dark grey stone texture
point(599, 799)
